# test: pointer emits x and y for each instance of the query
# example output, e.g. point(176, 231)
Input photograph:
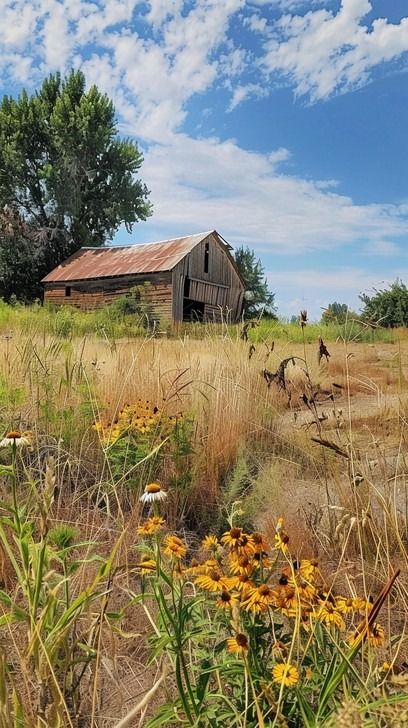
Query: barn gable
point(191, 278)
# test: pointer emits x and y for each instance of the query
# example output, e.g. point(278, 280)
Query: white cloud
point(242, 93)
point(256, 23)
point(384, 248)
point(177, 49)
point(322, 52)
point(202, 184)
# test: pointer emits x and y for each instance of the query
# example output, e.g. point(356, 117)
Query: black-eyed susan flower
point(238, 540)
point(16, 438)
point(150, 526)
point(329, 615)
point(194, 568)
point(376, 635)
point(210, 542)
point(240, 564)
point(226, 600)
point(261, 559)
point(153, 493)
point(147, 565)
point(238, 644)
point(281, 541)
point(260, 542)
point(208, 565)
point(345, 605)
point(361, 605)
point(259, 598)
point(284, 673)
point(175, 546)
point(241, 582)
point(212, 581)
point(308, 569)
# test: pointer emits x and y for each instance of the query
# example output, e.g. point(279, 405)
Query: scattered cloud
point(153, 57)
point(254, 202)
point(242, 93)
point(323, 52)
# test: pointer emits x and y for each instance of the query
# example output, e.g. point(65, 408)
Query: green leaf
point(204, 676)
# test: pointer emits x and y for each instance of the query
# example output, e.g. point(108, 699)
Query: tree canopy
point(66, 179)
point(338, 313)
point(258, 298)
point(387, 307)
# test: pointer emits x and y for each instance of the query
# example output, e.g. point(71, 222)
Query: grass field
point(103, 612)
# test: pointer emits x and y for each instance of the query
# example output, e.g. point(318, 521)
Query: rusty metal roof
point(122, 260)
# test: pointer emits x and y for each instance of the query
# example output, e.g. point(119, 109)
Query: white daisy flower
point(16, 438)
point(153, 492)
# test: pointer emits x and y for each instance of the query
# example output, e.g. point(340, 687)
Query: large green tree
point(387, 307)
point(64, 172)
point(258, 298)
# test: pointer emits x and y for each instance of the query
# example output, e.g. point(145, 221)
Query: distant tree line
point(387, 307)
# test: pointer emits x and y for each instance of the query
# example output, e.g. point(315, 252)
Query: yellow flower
point(240, 564)
point(174, 546)
point(209, 564)
point(238, 644)
point(376, 635)
point(261, 558)
point(308, 568)
point(242, 582)
point(260, 542)
point(285, 674)
point(194, 568)
point(147, 565)
point(210, 542)
point(152, 525)
point(345, 605)
point(213, 581)
point(361, 605)
point(281, 541)
point(259, 598)
point(226, 600)
point(239, 541)
point(329, 615)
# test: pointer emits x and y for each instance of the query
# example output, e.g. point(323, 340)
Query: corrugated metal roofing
point(118, 260)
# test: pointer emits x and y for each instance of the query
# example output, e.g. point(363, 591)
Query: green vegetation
point(66, 180)
point(338, 313)
point(200, 532)
point(387, 307)
point(258, 298)
point(131, 316)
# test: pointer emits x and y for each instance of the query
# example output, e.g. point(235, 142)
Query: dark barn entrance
point(193, 310)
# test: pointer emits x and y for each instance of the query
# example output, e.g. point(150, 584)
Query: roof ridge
point(153, 242)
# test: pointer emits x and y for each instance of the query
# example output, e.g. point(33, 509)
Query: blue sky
point(281, 123)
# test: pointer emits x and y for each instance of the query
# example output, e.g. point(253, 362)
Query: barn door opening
point(193, 310)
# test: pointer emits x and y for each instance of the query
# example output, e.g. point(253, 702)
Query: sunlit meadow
point(204, 528)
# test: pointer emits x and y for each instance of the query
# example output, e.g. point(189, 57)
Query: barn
point(194, 278)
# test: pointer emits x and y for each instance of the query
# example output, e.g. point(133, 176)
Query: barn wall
point(219, 287)
point(90, 295)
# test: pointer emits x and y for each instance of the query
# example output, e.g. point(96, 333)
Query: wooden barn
point(194, 278)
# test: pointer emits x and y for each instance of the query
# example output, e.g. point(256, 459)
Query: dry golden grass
point(348, 507)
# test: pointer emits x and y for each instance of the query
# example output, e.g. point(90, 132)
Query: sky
point(282, 124)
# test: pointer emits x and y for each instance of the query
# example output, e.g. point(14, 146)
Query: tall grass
point(326, 450)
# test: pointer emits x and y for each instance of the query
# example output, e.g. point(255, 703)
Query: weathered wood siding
point(219, 287)
point(92, 294)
